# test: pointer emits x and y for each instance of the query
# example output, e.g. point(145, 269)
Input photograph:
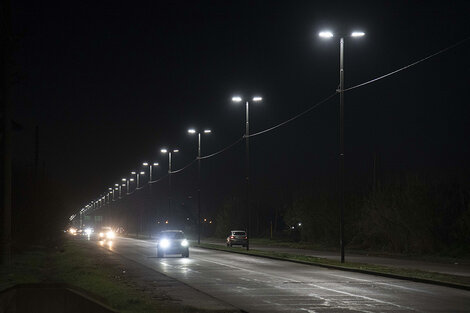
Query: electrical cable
point(293, 118)
point(220, 151)
point(408, 66)
point(156, 181)
point(183, 168)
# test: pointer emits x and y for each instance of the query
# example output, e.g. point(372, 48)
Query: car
point(103, 234)
point(172, 242)
point(237, 237)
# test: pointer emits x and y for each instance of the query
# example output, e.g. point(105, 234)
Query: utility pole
point(341, 152)
point(247, 160)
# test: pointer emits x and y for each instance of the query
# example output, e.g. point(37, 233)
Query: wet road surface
point(256, 284)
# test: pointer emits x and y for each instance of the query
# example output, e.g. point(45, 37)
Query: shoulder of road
point(447, 272)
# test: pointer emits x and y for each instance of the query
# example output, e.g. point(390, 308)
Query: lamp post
point(124, 183)
point(327, 35)
point(138, 178)
point(150, 165)
point(169, 151)
point(193, 131)
point(111, 190)
point(247, 159)
point(120, 191)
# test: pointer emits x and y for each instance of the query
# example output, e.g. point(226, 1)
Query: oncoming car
point(172, 242)
point(103, 234)
point(237, 237)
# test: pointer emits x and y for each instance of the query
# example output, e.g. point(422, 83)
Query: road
point(460, 268)
point(256, 284)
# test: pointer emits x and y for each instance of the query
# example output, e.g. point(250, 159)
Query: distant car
point(172, 242)
point(237, 237)
point(103, 234)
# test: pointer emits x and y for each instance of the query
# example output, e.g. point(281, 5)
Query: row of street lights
point(340, 90)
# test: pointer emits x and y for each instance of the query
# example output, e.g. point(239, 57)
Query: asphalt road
point(460, 268)
point(256, 284)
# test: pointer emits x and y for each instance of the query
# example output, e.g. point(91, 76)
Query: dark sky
point(111, 82)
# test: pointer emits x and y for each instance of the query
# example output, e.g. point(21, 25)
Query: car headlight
point(110, 235)
point(165, 243)
point(101, 234)
point(88, 231)
point(184, 243)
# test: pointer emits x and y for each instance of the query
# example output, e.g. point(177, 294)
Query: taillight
point(246, 237)
point(232, 237)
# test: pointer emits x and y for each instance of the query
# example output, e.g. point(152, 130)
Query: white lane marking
point(317, 286)
point(382, 283)
point(364, 297)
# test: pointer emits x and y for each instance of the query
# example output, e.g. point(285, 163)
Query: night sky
point(109, 83)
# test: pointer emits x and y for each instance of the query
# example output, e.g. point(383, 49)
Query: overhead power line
point(292, 118)
point(409, 65)
point(183, 168)
point(222, 150)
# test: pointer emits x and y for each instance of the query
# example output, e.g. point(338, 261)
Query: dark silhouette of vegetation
point(412, 214)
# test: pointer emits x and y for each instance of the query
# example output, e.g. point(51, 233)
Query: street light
point(193, 131)
point(247, 157)
point(150, 165)
point(136, 176)
point(119, 187)
point(111, 190)
point(328, 34)
point(169, 151)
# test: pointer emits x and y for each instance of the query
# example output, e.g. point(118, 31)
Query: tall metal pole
point(247, 150)
point(127, 186)
point(150, 172)
point(137, 174)
point(169, 182)
point(341, 143)
point(199, 188)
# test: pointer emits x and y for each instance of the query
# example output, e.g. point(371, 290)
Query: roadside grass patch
point(25, 268)
point(88, 268)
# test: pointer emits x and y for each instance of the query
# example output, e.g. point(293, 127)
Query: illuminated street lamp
point(120, 191)
point(111, 189)
point(193, 131)
point(327, 35)
point(137, 175)
point(170, 152)
point(247, 158)
point(151, 166)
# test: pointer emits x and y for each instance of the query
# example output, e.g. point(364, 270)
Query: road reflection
point(106, 243)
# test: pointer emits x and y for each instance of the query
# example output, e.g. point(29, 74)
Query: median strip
point(440, 279)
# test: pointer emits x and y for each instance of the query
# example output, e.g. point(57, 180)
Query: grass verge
point(460, 282)
point(89, 269)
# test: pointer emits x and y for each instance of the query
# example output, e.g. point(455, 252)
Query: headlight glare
point(184, 243)
point(110, 235)
point(165, 243)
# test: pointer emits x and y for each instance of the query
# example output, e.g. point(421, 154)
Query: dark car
point(172, 242)
point(237, 237)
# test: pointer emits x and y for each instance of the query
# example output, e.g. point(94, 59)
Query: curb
point(355, 270)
